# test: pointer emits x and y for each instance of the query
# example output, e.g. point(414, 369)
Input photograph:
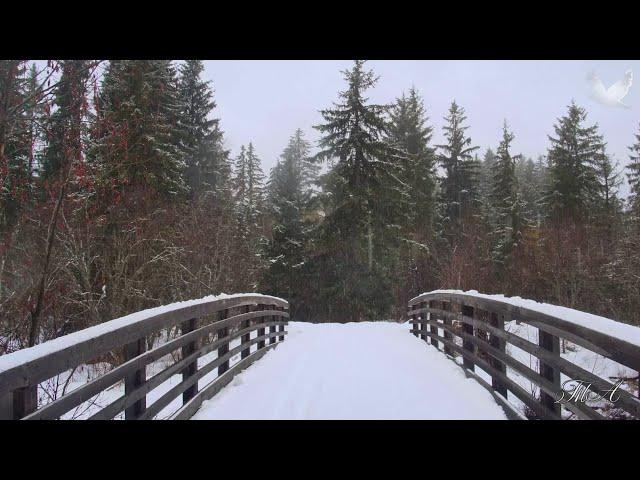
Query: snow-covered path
point(369, 370)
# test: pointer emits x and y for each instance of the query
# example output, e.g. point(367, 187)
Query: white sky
point(264, 101)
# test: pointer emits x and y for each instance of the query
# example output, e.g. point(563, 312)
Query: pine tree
point(290, 197)
point(358, 240)
point(572, 155)
point(249, 196)
point(20, 114)
point(137, 140)
point(65, 130)
point(506, 202)
point(633, 177)
point(459, 188)
point(409, 133)
point(207, 167)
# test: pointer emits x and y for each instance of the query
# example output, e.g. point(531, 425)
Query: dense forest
point(117, 194)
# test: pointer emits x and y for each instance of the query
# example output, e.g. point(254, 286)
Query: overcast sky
point(265, 101)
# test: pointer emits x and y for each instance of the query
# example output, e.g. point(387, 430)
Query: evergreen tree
point(633, 177)
point(138, 138)
point(206, 160)
point(409, 133)
point(290, 197)
point(573, 153)
point(506, 201)
point(359, 237)
point(20, 114)
point(531, 185)
point(249, 193)
point(459, 188)
point(64, 130)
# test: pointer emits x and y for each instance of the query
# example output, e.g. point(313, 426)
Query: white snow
point(14, 359)
point(622, 331)
point(365, 370)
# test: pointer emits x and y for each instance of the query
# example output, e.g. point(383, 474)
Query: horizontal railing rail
point(478, 325)
point(200, 327)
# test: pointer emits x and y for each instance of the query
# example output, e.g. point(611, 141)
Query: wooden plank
point(136, 379)
point(192, 367)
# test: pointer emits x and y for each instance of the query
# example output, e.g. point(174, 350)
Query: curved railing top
point(619, 341)
point(37, 363)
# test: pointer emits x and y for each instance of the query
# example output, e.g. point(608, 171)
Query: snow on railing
point(237, 317)
point(529, 371)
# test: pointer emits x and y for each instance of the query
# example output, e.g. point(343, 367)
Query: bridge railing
point(473, 328)
point(201, 327)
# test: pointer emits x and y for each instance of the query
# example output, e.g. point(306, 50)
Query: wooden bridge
point(213, 339)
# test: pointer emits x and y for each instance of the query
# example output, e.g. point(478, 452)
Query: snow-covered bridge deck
point(368, 370)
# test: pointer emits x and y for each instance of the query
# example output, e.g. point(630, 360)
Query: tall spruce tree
point(249, 196)
point(506, 202)
point(359, 237)
point(459, 187)
point(572, 156)
point(290, 192)
point(206, 159)
point(409, 133)
point(138, 137)
point(64, 129)
point(20, 114)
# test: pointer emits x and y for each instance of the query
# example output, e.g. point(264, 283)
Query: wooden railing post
point(6, 406)
point(261, 343)
point(552, 344)
point(191, 369)
point(447, 306)
point(135, 379)
point(246, 338)
point(423, 326)
point(414, 320)
point(468, 345)
point(224, 348)
point(497, 321)
point(432, 328)
point(23, 401)
point(272, 328)
point(281, 329)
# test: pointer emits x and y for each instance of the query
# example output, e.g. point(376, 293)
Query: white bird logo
point(611, 97)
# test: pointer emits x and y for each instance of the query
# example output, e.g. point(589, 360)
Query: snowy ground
point(368, 370)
